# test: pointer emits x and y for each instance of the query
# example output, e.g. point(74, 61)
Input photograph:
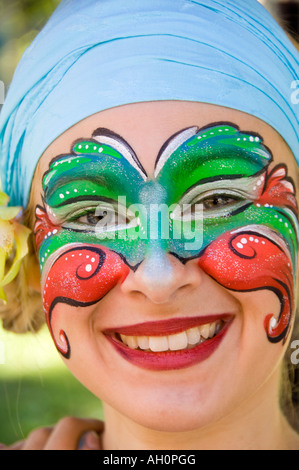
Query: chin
point(181, 417)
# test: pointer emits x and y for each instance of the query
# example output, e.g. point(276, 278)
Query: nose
point(161, 277)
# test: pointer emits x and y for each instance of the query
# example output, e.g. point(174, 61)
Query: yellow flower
point(13, 242)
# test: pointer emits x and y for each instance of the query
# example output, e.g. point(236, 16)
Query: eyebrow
point(214, 153)
point(94, 173)
point(188, 156)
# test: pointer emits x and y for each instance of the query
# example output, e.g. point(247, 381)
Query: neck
point(257, 424)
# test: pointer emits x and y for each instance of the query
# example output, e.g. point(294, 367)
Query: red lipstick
point(168, 360)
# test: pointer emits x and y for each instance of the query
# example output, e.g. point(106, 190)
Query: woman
point(155, 147)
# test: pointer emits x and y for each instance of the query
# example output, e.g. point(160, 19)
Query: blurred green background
point(36, 388)
point(20, 21)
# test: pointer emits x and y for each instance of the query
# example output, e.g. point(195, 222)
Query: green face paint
point(212, 185)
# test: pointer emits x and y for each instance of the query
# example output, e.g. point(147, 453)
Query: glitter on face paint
point(249, 219)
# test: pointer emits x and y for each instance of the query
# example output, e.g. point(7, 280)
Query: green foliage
point(36, 388)
point(20, 22)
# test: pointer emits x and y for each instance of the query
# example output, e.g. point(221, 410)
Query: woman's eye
point(100, 219)
point(210, 205)
point(91, 218)
point(107, 217)
point(218, 202)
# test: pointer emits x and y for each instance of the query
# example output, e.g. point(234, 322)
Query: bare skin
point(229, 401)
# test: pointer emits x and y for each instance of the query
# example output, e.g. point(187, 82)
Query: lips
point(170, 344)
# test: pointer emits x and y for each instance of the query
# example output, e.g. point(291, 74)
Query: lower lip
point(170, 360)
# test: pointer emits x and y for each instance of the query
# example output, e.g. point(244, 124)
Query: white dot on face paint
point(61, 196)
point(244, 241)
point(92, 260)
point(273, 322)
point(88, 268)
point(239, 245)
point(251, 239)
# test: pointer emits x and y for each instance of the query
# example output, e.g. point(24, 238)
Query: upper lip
point(166, 327)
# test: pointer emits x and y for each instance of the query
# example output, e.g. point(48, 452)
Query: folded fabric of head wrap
point(97, 54)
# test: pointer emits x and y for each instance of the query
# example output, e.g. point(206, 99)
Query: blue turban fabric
point(97, 54)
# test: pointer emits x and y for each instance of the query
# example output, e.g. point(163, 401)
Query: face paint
point(249, 216)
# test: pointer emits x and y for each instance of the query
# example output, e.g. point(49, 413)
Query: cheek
point(250, 262)
point(79, 276)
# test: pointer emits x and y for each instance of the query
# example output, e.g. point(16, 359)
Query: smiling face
point(158, 310)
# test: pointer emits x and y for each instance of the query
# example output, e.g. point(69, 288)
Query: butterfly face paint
point(249, 219)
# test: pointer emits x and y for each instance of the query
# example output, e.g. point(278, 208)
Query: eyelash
point(91, 217)
point(217, 197)
point(209, 205)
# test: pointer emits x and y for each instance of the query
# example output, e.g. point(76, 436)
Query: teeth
point(158, 343)
point(175, 342)
point(132, 342)
point(143, 342)
point(193, 335)
point(204, 331)
point(212, 330)
point(178, 341)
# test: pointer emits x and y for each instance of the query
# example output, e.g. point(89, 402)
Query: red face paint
point(247, 261)
point(80, 276)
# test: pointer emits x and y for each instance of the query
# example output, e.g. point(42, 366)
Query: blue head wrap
point(96, 54)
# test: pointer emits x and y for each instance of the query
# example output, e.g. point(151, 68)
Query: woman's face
point(167, 241)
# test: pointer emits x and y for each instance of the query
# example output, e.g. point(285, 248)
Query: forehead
point(147, 126)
